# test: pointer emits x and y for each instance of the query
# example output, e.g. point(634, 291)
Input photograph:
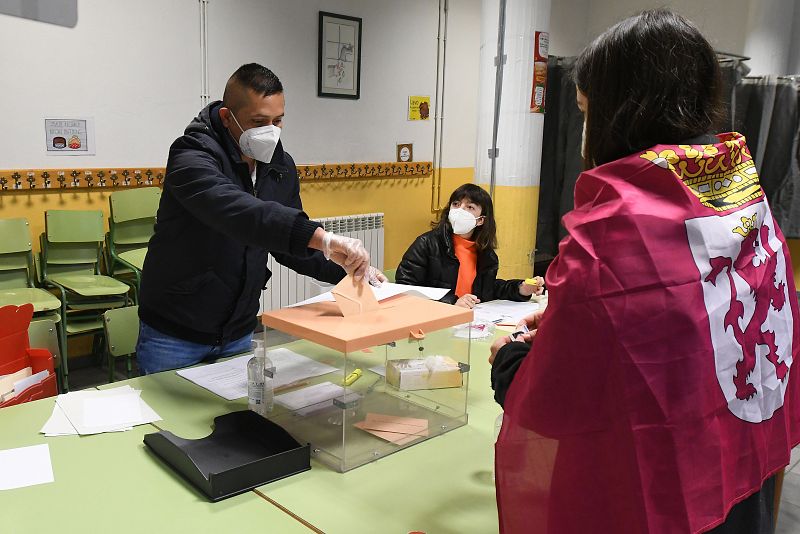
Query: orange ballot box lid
point(395, 318)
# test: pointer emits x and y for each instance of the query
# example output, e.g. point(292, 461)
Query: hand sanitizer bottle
point(256, 380)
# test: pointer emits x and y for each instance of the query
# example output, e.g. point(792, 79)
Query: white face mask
point(462, 221)
point(258, 143)
point(583, 141)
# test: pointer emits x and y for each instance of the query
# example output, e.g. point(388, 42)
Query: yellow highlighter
point(352, 377)
point(531, 282)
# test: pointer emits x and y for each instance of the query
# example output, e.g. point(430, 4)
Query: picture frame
point(339, 60)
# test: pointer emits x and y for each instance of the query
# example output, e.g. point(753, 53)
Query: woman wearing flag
point(659, 392)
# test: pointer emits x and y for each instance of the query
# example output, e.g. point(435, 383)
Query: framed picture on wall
point(339, 66)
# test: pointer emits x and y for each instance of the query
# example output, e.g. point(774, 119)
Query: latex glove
point(526, 290)
point(468, 301)
point(347, 252)
point(375, 277)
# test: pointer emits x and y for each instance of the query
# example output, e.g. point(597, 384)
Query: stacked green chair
point(17, 277)
point(121, 327)
point(70, 263)
point(133, 215)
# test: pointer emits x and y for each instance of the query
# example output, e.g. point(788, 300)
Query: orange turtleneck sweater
point(467, 254)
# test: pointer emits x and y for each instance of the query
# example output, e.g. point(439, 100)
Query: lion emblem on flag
point(745, 294)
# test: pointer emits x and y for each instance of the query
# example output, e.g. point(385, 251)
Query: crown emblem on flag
point(748, 224)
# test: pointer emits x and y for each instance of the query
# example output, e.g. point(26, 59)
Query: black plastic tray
point(244, 451)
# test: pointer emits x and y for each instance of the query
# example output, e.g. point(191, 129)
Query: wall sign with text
point(69, 137)
point(419, 108)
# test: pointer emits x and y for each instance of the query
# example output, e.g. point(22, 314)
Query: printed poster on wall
point(419, 108)
point(541, 44)
point(69, 136)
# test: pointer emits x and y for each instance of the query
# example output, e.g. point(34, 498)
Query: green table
point(112, 483)
point(441, 485)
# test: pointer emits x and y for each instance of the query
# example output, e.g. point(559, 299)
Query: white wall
point(136, 69)
point(575, 23)
point(769, 36)
point(132, 66)
point(794, 47)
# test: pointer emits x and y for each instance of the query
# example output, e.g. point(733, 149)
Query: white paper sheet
point(315, 394)
point(112, 411)
point(117, 419)
point(503, 311)
point(25, 466)
point(386, 290)
point(229, 379)
point(58, 424)
point(25, 383)
point(378, 370)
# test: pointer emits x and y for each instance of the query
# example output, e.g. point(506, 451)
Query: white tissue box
point(433, 372)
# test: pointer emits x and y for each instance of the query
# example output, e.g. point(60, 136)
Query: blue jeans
point(157, 352)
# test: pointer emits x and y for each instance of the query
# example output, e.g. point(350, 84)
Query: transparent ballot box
point(399, 375)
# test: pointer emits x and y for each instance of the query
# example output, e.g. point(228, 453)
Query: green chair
point(17, 269)
point(70, 263)
point(43, 334)
point(389, 273)
point(17, 272)
point(121, 326)
point(133, 216)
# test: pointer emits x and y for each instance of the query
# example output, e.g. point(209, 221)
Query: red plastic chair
point(16, 354)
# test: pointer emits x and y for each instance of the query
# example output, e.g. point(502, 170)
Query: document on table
point(229, 379)
point(94, 412)
point(503, 311)
point(387, 289)
point(315, 398)
point(25, 466)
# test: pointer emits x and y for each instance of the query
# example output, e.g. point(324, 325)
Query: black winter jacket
point(207, 261)
point(431, 261)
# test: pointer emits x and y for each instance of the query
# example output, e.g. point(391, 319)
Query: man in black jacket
point(231, 196)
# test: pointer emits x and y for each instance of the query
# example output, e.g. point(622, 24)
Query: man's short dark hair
point(250, 76)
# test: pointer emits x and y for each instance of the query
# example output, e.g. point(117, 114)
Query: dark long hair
point(485, 236)
point(650, 79)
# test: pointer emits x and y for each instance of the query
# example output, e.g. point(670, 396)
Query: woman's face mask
point(258, 143)
point(462, 221)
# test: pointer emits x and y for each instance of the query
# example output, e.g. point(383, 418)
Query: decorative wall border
point(15, 180)
point(330, 172)
point(71, 179)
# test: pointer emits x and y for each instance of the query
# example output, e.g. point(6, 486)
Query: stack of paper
point(503, 311)
point(229, 379)
point(397, 430)
point(386, 290)
point(314, 398)
point(15, 383)
point(25, 466)
point(94, 412)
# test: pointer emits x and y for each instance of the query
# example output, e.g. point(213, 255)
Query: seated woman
point(458, 254)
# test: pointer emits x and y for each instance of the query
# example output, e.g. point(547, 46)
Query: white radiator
point(287, 287)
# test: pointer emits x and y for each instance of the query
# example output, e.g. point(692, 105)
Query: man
point(231, 196)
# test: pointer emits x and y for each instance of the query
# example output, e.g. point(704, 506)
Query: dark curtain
point(561, 160)
point(767, 113)
point(765, 110)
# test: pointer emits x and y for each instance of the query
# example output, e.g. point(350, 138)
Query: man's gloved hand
point(347, 252)
point(375, 277)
